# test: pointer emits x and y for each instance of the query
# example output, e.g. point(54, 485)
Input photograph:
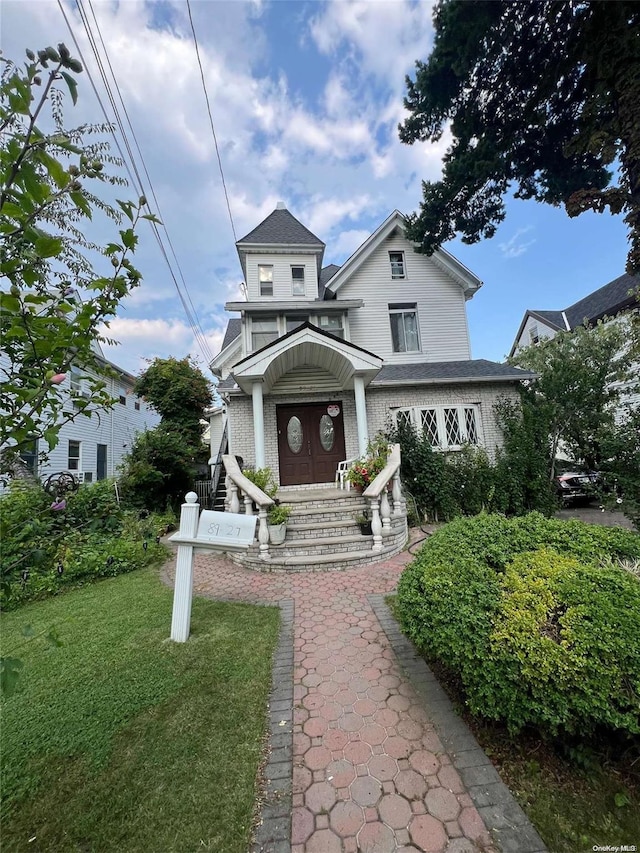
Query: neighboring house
point(322, 357)
point(615, 301)
point(92, 448)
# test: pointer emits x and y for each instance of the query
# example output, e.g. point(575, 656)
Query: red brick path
point(369, 772)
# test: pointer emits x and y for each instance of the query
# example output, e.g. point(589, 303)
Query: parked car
point(576, 486)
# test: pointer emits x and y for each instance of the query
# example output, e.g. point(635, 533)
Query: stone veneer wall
point(380, 401)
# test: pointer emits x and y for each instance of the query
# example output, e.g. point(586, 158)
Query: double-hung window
point(297, 281)
point(122, 395)
point(445, 427)
point(265, 278)
point(295, 320)
point(396, 259)
point(263, 331)
point(73, 460)
point(75, 380)
point(332, 323)
point(404, 327)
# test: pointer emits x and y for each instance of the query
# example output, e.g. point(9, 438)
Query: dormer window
point(297, 281)
point(534, 337)
point(396, 259)
point(265, 277)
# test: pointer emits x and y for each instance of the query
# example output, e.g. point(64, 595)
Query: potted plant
point(365, 470)
point(364, 523)
point(277, 517)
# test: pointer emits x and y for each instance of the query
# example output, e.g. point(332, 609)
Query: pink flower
point(58, 378)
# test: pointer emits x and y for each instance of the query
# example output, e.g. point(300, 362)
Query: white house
point(92, 448)
point(321, 357)
point(615, 301)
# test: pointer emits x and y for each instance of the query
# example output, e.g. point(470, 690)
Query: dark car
point(574, 486)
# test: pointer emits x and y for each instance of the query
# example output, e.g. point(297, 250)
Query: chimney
point(281, 206)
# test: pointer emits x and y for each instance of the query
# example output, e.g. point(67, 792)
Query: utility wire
point(136, 181)
point(213, 130)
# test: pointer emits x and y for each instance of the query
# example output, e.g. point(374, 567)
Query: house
point(92, 448)
point(319, 358)
point(614, 301)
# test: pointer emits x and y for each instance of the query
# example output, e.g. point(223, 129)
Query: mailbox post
point(215, 531)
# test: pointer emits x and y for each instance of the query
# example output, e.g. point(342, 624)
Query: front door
point(310, 442)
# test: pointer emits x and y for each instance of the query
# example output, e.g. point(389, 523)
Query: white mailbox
point(222, 531)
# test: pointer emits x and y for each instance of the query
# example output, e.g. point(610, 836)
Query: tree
point(54, 303)
point(161, 465)
point(583, 376)
point(541, 96)
point(179, 392)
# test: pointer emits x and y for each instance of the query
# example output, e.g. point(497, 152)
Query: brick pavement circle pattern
point(369, 770)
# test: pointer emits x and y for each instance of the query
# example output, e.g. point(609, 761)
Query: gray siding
point(442, 317)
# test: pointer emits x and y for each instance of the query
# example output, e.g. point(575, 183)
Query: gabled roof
point(440, 372)
point(280, 228)
point(607, 301)
point(463, 276)
point(326, 274)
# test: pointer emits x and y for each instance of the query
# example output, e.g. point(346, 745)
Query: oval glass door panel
point(327, 432)
point(294, 434)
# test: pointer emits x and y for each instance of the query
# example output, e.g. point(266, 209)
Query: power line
point(136, 181)
point(213, 131)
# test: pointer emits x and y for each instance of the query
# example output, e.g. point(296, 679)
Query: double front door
point(310, 442)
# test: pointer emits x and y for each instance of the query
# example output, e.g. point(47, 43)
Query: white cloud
point(515, 246)
point(347, 243)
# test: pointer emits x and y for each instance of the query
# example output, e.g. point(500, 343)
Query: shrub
point(523, 614)
point(159, 470)
point(95, 505)
point(263, 479)
point(278, 514)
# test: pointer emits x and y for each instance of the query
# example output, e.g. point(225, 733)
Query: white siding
point(440, 303)
point(282, 285)
point(532, 326)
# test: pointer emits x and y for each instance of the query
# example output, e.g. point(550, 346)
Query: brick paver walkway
point(369, 771)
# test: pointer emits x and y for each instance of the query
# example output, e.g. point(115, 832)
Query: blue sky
point(306, 98)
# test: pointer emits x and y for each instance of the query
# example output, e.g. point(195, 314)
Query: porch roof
point(306, 345)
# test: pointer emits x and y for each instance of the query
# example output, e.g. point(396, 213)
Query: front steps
point(322, 534)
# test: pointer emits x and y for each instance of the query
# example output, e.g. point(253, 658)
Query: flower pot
point(365, 528)
point(277, 533)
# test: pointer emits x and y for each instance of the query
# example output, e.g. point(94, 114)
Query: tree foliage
point(179, 392)
point(583, 376)
point(541, 96)
point(52, 302)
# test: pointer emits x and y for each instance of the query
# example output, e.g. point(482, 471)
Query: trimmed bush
point(535, 628)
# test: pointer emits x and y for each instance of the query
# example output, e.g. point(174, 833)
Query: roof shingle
point(281, 228)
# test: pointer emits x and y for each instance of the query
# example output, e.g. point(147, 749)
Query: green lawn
point(122, 740)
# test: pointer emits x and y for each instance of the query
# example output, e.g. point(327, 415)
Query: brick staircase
point(322, 534)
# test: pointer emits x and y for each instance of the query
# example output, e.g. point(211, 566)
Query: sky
point(305, 98)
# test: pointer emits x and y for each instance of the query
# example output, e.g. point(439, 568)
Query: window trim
point(405, 308)
point(260, 280)
point(261, 319)
point(397, 276)
point(295, 292)
point(74, 459)
point(415, 419)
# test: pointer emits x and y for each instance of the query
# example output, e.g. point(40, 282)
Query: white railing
point(377, 494)
point(237, 484)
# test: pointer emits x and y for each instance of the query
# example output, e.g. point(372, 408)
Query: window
point(294, 321)
point(136, 405)
point(122, 395)
point(29, 456)
point(88, 476)
point(75, 380)
point(265, 277)
point(101, 461)
point(332, 323)
point(263, 331)
point(396, 259)
point(73, 462)
point(297, 281)
point(404, 327)
point(446, 427)
point(534, 337)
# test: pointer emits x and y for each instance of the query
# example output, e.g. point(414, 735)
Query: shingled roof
point(474, 370)
point(606, 301)
point(281, 228)
point(234, 328)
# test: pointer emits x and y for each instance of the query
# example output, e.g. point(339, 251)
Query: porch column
point(258, 423)
point(361, 414)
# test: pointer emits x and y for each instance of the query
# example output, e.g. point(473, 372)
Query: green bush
point(537, 631)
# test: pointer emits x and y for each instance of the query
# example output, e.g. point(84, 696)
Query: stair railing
point(378, 496)
point(238, 484)
point(217, 470)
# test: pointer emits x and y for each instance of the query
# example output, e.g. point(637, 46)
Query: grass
point(121, 740)
point(577, 795)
